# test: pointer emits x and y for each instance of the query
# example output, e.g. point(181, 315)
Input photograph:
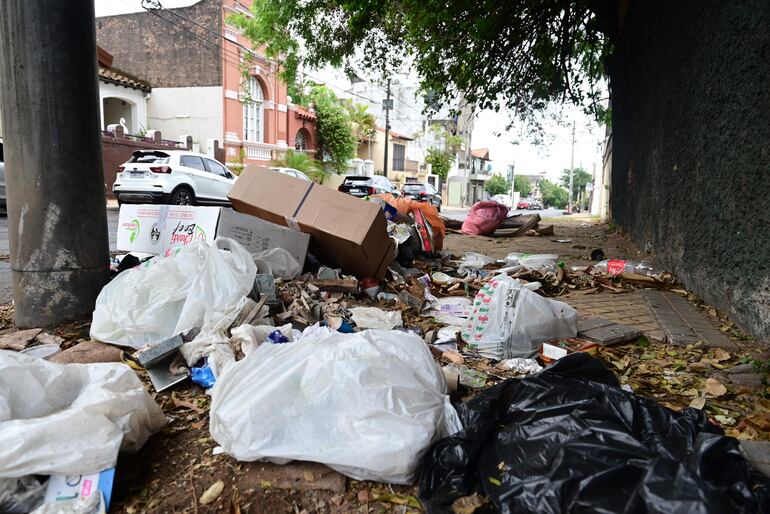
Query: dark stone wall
point(165, 49)
point(690, 87)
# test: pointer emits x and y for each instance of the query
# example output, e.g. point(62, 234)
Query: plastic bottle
point(617, 266)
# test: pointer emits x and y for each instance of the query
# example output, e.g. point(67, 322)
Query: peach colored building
point(193, 59)
point(264, 127)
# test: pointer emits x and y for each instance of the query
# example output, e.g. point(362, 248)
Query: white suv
point(173, 176)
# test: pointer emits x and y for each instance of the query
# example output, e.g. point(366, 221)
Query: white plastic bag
point(170, 295)
point(366, 404)
point(372, 317)
point(508, 320)
point(277, 262)
point(69, 418)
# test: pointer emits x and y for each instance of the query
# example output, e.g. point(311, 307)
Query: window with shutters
point(252, 113)
point(398, 157)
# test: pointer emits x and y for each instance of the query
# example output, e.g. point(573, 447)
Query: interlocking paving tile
point(681, 323)
point(627, 308)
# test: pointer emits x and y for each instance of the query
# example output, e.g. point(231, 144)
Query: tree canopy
point(336, 140)
point(580, 178)
point(497, 185)
point(521, 55)
point(522, 185)
point(553, 195)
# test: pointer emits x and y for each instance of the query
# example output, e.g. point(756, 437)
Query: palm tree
point(363, 122)
point(302, 162)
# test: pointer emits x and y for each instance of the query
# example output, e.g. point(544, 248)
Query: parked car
point(361, 186)
point(535, 205)
point(423, 193)
point(3, 206)
point(292, 173)
point(523, 204)
point(503, 199)
point(177, 177)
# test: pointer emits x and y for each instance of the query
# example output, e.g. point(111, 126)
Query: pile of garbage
point(338, 331)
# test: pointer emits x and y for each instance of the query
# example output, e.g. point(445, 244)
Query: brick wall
point(165, 49)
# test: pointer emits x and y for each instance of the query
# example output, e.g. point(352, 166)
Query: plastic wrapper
point(69, 418)
point(521, 366)
point(484, 218)
point(277, 262)
point(367, 404)
point(20, 495)
point(569, 439)
point(508, 320)
point(170, 295)
point(372, 317)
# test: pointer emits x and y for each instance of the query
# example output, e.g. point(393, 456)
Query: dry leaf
point(363, 496)
point(698, 403)
point(468, 504)
point(212, 493)
point(309, 477)
point(715, 388)
point(721, 355)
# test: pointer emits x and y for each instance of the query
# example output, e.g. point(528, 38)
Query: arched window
point(300, 140)
point(252, 112)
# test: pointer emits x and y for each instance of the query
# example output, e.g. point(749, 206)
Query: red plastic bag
point(484, 218)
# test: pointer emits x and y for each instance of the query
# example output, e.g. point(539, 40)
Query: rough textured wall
point(691, 146)
point(164, 48)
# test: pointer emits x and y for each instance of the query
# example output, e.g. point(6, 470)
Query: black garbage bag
point(570, 440)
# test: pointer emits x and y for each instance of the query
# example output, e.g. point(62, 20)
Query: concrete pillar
point(57, 220)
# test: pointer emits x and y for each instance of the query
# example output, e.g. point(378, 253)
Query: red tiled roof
point(396, 135)
point(113, 76)
point(303, 113)
point(481, 153)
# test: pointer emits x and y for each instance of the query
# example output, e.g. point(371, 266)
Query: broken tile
point(18, 341)
point(606, 332)
point(89, 352)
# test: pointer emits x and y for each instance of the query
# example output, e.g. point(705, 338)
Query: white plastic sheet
point(277, 262)
point(367, 404)
point(169, 295)
point(508, 320)
point(69, 418)
point(372, 317)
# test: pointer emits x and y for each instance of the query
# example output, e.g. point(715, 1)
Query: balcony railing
point(261, 151)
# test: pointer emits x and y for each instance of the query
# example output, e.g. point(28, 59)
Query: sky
point(506, 147)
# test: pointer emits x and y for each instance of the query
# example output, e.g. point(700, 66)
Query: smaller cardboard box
point(258, 235)
point(157, 228)
point(554, 350)
point(345, 231)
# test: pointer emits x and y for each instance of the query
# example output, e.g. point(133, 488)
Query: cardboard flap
point(268, 194)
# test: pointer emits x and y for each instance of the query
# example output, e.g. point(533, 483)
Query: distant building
point(535, 180)
point(481, 171)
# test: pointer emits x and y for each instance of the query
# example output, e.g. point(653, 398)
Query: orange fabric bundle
point(404, 206)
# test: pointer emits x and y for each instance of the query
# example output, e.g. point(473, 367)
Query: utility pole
point(571, 167)
point(388, 104)
point(57, 219)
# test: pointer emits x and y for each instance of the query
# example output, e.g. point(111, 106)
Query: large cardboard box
point(345, 231)
point(158, 228)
